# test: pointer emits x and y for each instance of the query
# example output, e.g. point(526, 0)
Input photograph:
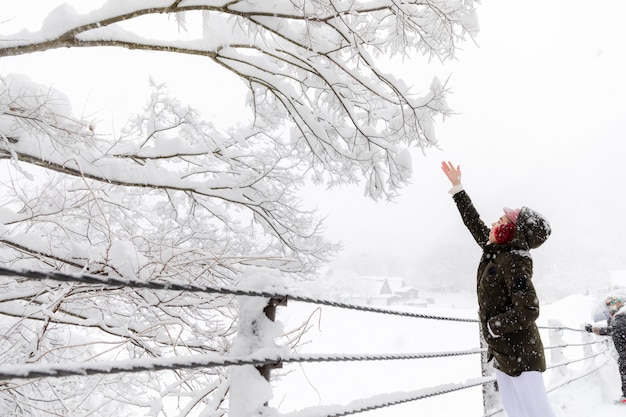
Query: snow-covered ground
point(299, 386)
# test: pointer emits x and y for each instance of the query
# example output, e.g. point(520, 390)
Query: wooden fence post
point(250, 390)
point(270, 313)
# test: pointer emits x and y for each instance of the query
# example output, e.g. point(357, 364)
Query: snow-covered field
point(340, 331)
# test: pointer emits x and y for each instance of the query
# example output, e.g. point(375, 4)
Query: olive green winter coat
point(507, 300)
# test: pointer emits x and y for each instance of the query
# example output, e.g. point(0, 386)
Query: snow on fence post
point(490, 397)
point(557, 343)
point(587, 338)
point(250, 390)
point(270, 313)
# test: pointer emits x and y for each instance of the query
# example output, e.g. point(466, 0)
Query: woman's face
point(613, 304)
point(501, 220)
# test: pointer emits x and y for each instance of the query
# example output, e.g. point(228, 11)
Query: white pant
point(524, 395)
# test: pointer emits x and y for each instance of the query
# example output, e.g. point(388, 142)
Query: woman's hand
point(453, 174)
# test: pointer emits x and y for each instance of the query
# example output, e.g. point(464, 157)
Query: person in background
point(507, 301)
point(616, 328)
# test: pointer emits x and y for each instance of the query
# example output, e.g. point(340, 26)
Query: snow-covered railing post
point(270, 313)
point(490, 397)
point(557, 342)
point(250, 390)
point(587, 339)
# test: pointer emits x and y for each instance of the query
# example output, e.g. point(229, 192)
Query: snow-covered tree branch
point(309, 65)
point(171, 197)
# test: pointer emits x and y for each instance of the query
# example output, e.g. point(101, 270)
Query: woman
point(508, 303)
point(616, 328)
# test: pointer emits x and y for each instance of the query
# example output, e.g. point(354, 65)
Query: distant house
point(384, 291)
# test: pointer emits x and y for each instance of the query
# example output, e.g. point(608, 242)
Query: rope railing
point(377, 402)
point(565, 345)
point(579, 377)
point(30, 371)
point(584, 358)
point(560, 328)
point(225, 290)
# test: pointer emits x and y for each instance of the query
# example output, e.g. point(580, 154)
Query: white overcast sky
point(541, 103)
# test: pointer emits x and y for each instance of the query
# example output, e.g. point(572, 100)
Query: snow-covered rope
point(561, 328)
point(214, 360)
point(132, 283)
point(380, 357)
point(112, 281)
point(30, 371)
point(584, 358)
point(385, 400)
point(581, 376)
point(564, 345)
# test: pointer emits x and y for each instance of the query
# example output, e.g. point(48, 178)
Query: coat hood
point(532, 229)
